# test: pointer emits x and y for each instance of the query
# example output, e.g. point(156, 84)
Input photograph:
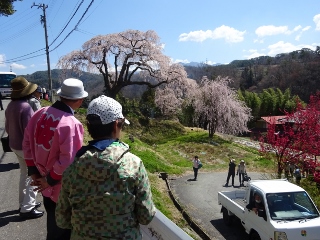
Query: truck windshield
point(291, 206)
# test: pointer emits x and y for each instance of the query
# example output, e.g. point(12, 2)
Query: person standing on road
point(196, 161)
point(105, 192)
point(231, 172)
point(52, 138)
point(18, 114)
point(1, 105)
point(297, 174)
point(286, 169)
point(291, 168)
point(241, 171)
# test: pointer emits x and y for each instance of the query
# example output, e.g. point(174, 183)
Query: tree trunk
point(211, 130)
point(279, 168)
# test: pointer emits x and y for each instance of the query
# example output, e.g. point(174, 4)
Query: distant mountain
point(197, 64)
point(298, 71)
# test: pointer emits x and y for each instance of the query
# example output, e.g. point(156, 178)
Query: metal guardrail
point(162, 228)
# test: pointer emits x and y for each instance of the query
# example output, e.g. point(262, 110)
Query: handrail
point(162, 228)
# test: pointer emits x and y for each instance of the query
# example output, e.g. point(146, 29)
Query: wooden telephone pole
point(44, 21)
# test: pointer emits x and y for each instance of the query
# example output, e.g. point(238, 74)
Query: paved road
point(200, 200)
point(11, 226)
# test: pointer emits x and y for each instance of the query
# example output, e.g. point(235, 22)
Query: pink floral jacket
point(51, 140)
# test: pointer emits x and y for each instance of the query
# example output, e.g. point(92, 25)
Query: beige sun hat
point(21, 87)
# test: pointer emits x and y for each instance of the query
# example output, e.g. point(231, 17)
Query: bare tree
point(121, 55)
point(219, 107)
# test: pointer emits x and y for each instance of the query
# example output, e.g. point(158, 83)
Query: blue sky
point(191, 30)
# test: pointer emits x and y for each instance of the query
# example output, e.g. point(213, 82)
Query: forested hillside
point(298, 71)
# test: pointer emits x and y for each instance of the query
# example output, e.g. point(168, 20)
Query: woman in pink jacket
point(52, 138)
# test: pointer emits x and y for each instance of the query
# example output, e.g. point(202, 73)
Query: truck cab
point(285, 212)
point(289, 211)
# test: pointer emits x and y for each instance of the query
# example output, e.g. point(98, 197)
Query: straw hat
point(21, 87)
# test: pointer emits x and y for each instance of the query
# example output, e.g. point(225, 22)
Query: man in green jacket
point(105, 192)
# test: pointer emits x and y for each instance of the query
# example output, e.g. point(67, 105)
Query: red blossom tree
point(299, 139)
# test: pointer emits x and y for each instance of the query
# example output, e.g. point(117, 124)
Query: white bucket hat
point(108, 109)
point(72, 88)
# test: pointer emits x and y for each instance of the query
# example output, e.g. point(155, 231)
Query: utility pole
point(44, 21)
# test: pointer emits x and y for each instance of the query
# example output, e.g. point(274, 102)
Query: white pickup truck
point(289, 212)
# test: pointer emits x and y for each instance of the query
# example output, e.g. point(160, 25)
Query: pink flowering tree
point(119, 56)
point(170, 97)
point(299, 140)
point(218, 107)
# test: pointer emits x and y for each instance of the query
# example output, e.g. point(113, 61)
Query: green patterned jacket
point(105, 195)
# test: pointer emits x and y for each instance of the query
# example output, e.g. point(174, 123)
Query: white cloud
point(282, 47)
point(271, 30)
point(316, 20)
point(297, 28)
point(227, 33)
point(210, 62)
point(32, 65)
point(258, 41)
point(253, 54)
point(297, 38)
point(306, 28)
point(18, 66)
point(2, 59)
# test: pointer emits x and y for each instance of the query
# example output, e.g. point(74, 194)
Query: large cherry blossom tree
point(119, 56)
point(219, 108)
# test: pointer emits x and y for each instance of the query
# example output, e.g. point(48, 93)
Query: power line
point(75, 28)
point(67, 23)
point(17, 59)
point(12, 61)
point(92, 11)
point(10, 22)
point(18, 34)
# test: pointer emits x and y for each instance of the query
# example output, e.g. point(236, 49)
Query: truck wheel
point(226, 218)
point(254, 236)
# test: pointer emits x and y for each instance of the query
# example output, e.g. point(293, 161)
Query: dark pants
point(53, 231)
point(230, 174)
point(1, 106)
point(195, 170)
point(241, 175)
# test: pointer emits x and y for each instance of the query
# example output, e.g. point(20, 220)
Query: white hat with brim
point(72, 88)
